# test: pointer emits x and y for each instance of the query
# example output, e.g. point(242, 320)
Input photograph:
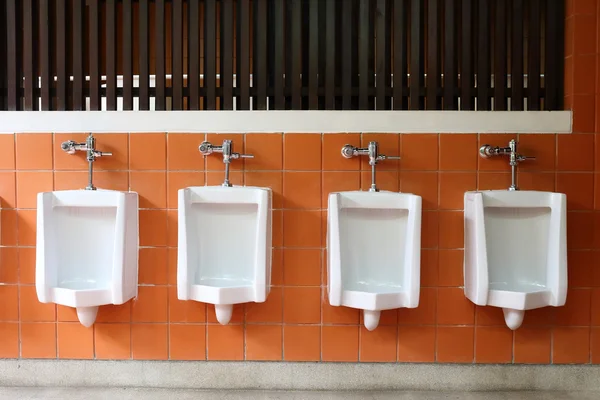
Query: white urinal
point(374, 251)
point(87, 249)
point(224, 253)
point(515, 251)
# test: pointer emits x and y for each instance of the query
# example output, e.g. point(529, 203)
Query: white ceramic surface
point(515, 250)
point(87, 249)
point(225, 245)
point(374, 251)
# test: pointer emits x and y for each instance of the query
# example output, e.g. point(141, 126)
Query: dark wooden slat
point(554, 56)
point(330, 56)
point(400, 54)
point(94, 53)
point(365, 43)
point(295, 48)
point(313, 45)
point(278, 55)
point(242, 71)
point(516, 77)
point(13, 41)
point(500, 56)
point(533, 56)
point(29, 61)
point(483, 56)
point(450, 56)
point(259, 68)
point(346, 62)
point(416, 54)
point(144, 54)
point(210, 54)
point(160, 102)
point(382, 50)
point(433, 58)
point(177, 47)
point(226, 72)
point(111, 55)
point(194, 54)
point(62, 79)
point(78, 77)
point(127, 55)
point(466, 63)
point(44, 43)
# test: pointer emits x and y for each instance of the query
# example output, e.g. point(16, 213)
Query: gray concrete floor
point(151, 394)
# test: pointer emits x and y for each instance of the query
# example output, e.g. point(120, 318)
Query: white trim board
point(287, 121)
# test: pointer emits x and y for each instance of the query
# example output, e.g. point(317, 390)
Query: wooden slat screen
point(281, 54)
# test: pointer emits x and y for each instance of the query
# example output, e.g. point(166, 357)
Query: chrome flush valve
point(349, 151)
point(487, 151)
point(70, 147)
point(207, 148)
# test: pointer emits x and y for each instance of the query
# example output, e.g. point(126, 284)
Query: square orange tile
point(332, 152)
point(270, 311)
point(27, 227)
point(455, 344)
point(429, 268)
point(585, 26)
point(180, 180)
point(225, 342)
point(7, 151)
point(494, 180)
point(301, 305)
point(583, 74)
point(425, 313)
point(494, 163)
point(580, 230)
point(584, 110)
point(267, 149)
point(153, 266)
point(575, 152)
point(270, 179)
point(389, 145)
point(182, 311)
point(153, 227)
point(424, 184)
point(149, 341)
point(8, 224)
point(302, 267)
point(75, 340)
point(38, 340)
point(340, 343)
point(532, 345)
point(9, 332)
point(419, 152)
point(579, 188)
point(66, 314)
point(115, 313)
point(577, 309)
point(151, 188)
point(187, 342)
point(453, 186)
point(9, 272)
point(301, 228)
point(453, 308)
point(379, 345)
point(214, 178)
point(112, 341)
point(429, 229)
point(118, 145)
point(385, 180)
point(172, 228)
point(214, 162)
point(29, 184)
point(451, 230)
point(277, 267)
point(9, 298)
point(264, 342)
point(237, 317)
point(571, 345)
point(302, 151)
point(493, 345)
point(302, 190)
point(8, 190)
point(72, 180)
point(72, 162)
point(41, 158)
point(151, 304)
point(544, 181)
point(544, 316)
point(301, 343)
point(183, 153)
point(416, 344)
point(338, 181)
point(31, 310)
point(458, 152)
point(595, 307)
point(490, 316)
point(277, 226)
point(580, 266)
point(595, 346)
point(108, 180)
point(451, 268)
point(147, 151)
point(542, 147)
point(338, 315)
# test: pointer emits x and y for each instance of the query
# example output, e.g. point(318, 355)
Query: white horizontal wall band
point(287, 121)
point(297, 376)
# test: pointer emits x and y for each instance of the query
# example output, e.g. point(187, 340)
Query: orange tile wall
point(296, 323)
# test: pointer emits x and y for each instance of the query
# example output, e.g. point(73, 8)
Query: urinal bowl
point(373, 247)
point(515, 251)
point(225, 245)
point(87, 249)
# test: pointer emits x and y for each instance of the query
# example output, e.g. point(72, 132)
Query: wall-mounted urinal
point(515, 246)
point(224, 244)
point(87, 245)
point(373, 247)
